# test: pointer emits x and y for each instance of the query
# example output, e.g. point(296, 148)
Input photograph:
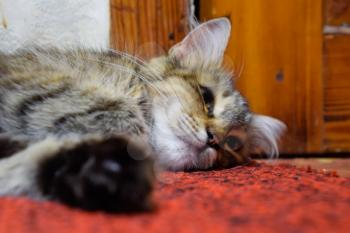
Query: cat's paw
point(114, 174)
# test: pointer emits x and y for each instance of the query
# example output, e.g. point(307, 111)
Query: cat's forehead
point(206, 76)
point(219, 80)
point(216, 78)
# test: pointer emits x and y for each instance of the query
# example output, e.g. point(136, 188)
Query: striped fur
point(88, 119)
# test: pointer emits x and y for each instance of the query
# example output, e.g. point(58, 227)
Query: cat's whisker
point(163, 95)
point(136, 60)
point(48, 57)
point(189, 128)
point(241, 68)
point(142, 63)
point(122, 68)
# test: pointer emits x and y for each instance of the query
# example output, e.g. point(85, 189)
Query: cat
point(89, 128)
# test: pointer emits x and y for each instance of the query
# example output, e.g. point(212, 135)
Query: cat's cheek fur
point(176, 149)
point(174, 154)
point(167, 145)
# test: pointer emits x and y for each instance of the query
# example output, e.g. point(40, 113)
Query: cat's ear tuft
point(264, 133)
point(203, 46)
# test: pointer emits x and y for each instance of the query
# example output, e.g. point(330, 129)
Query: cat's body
point(89, 124)
point(57, 92)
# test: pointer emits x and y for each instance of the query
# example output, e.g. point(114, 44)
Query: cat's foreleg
point(19, 172)
point(113, 173)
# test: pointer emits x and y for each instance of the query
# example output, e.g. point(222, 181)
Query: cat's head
point(196, 107)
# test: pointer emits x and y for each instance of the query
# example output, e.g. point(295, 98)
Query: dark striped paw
point(100, 174)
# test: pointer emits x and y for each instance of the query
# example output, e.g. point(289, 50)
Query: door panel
point(280, 43)
point(337, 92)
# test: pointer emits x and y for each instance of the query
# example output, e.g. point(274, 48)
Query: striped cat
point(87, 128)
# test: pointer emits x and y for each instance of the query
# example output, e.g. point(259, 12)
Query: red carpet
point(258, 198)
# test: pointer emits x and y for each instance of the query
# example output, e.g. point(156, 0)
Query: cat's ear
point(264, 133)
point(203, 46)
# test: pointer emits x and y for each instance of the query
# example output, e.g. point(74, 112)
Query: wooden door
point(148, 27)
point(337, 75)
point(280, 44)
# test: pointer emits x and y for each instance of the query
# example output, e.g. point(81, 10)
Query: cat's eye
point(208, 99)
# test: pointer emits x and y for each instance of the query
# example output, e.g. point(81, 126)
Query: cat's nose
point(211, 139)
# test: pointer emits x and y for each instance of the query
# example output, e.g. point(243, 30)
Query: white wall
point(65, 23)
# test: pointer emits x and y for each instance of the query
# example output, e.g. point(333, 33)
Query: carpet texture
point(258, 198)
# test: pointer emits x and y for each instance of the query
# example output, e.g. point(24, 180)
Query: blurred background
point(292, 57)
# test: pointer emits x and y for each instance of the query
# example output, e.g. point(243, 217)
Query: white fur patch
point(264, 133)
point(18, 172)
point(176, 147)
